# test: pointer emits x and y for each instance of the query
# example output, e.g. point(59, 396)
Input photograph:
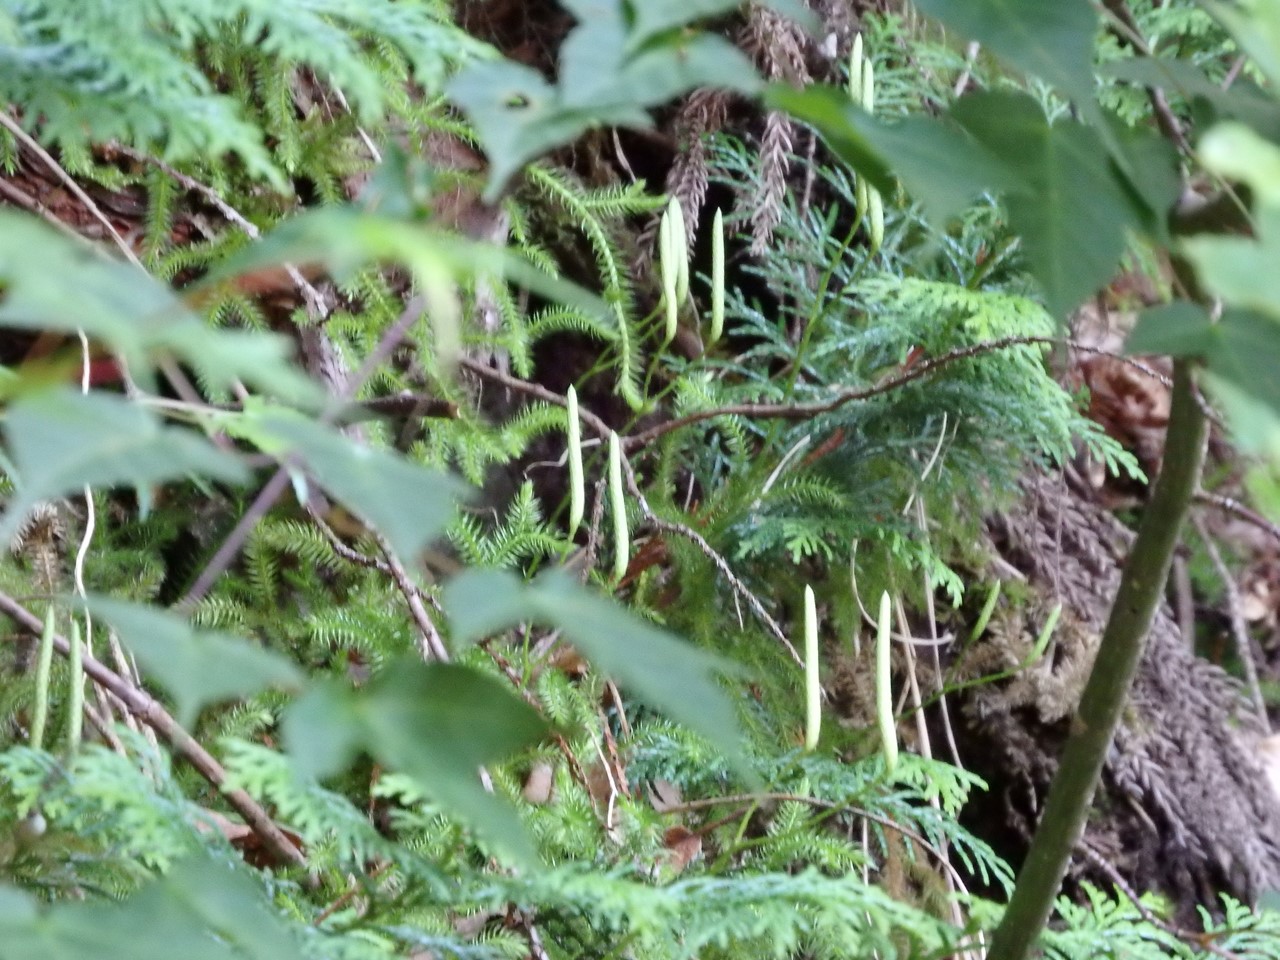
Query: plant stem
point(1141, 587)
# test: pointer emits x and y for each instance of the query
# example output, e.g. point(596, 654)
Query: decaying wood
point(1185, 806)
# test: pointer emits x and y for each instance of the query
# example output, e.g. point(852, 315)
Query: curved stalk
point(1141, 586)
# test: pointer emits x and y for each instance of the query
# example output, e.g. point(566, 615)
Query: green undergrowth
point(607, 766)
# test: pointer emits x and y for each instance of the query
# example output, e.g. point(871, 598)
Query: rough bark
point(1184, 807)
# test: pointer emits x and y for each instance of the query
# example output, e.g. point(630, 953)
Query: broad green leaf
point(197, 667)
point(614, 65)
point(1237, 152)
point(60, 441)
point(668, 674)
point(407, 503)
point(483, 601)
point(1255, 25)
point(660, 73)
point(664, 672)
point(519, 116)
point(1155, 185)
point(1245, 352)
point(1063, 194)
point(650, 17)
point(1241, 350)
point(1239, 270)
point(135, 316)
point(1051, 40)
point(1255, 430)
point(939, 164)
point(438, 723)
point(844, 126)
point(1243, 101)
point(346, 239)
point(1179, 329)
point(322, 729)
point(201, 910)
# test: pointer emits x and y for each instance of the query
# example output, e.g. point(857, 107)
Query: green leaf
point(1155, 185)
point(518, 116)
point(669, 675)
point(614, 65)
point(129, 312)
point(323, 729)
point(1063, 194)
point(483, 601)
point(1256, 27)
point(1241, 350)
point(197, 667)
point(651, 17)
point(346, 239)
point(939, 164)
point(844, 126)
point(1255, 432)
point(1237, 152)
point(60, 441)
point(206, 911)
point(1239, 270)
point(438, 723)
point(407, 503)
point(1243, 101)
point(1050, 40)
point(1179, 329)
point(1245, 352)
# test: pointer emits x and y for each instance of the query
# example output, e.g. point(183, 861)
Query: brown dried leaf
point(683, 846)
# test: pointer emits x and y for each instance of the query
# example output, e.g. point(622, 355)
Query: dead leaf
point(683, 846)
point(664, 795)
point(538, 784)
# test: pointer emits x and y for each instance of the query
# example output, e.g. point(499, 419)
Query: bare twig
point(230, 548)
point(1197, 940)
point(432, 643)
point(1128, 31)
point(840, 398)
point(1238, 509)
point(274, 487)
point(70, 183)
point(1239, 629)
point(149, 711)
point(309, 293)
point(32, 205)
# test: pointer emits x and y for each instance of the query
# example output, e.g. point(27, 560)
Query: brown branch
point(1238, 509)
point(1129, 33)
point(432, 643)
point(807, 411)
point(1191, 937)
point(274, 487)
point(143, 706)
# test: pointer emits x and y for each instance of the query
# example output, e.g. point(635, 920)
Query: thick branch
point(1141, 587)
point(145, 708)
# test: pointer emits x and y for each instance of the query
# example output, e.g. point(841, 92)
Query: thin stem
point(1141, 587)
point(146, 708)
